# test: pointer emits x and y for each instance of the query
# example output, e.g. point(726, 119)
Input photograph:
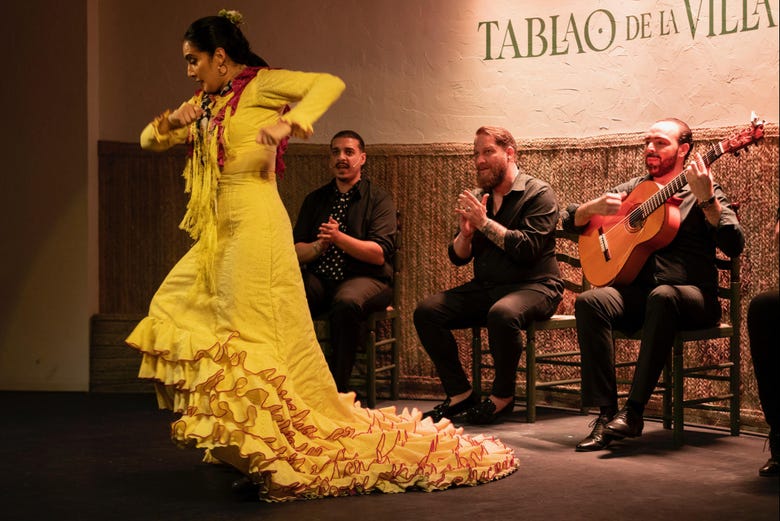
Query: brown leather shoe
point(598, 439)
point(626, 423)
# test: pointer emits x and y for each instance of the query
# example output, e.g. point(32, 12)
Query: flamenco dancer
point(228, 338)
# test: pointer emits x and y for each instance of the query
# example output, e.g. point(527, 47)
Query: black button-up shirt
point(371, 216)
point(530, 214)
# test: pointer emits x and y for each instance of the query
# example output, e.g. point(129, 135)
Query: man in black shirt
point(675, 288)
point(345, 239)
point(508, 228)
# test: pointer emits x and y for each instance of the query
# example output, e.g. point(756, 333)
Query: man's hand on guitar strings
point(699, 178)
point(606, 204)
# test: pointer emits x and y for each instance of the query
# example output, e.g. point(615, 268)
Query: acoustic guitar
point(613, 248)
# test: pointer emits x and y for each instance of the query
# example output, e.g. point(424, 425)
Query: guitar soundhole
point(634, 226)
point(635, 221)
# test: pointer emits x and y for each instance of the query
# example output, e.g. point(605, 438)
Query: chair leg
point(530, 375)
point(667, 395)
point(476, 361)
point(395, 371)
point(735, 381)
point(677, 375)
point(371, 366)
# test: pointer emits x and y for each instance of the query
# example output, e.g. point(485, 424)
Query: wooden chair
point(672, 384)
point(382, 344)
point(574, 281)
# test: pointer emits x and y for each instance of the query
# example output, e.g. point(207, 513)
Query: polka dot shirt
point(330, 265)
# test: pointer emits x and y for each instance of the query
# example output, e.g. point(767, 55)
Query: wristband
point(706, 204)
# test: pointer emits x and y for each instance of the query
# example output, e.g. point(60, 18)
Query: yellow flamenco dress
point(229, 340)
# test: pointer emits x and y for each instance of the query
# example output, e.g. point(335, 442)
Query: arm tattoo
point(495, 232)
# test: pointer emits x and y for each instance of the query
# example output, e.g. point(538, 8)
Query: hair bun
point(235, 17)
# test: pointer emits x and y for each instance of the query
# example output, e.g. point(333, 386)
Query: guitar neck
point(641, 212)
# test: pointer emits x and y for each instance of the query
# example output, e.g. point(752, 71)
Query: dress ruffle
point(228, 398)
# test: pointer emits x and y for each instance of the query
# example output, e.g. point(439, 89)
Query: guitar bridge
point(603, 244)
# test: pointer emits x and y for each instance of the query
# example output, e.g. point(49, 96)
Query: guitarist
point(676, 287)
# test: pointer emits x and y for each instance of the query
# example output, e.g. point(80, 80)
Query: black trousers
point(347, 304)
point(659, 311)
point(506, 310)
point(762, 317)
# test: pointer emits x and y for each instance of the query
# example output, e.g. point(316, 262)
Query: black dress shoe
point(445, 410)
point(485, 413)
point(626, 423)
point(245, 488)
point(771, 469)
point(599, 438)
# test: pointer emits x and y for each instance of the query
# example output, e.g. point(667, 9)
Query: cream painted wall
point(44, 312)
point(416, 70)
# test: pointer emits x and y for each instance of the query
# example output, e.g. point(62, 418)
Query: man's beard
point(489, 178)
point(664, 166)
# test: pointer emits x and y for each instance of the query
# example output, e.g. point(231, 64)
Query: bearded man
point(675, 288)
point(507, 228)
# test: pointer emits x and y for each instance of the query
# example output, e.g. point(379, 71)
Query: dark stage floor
point(75, 456)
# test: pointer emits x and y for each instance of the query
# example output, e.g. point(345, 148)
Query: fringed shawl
point(208, 142)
